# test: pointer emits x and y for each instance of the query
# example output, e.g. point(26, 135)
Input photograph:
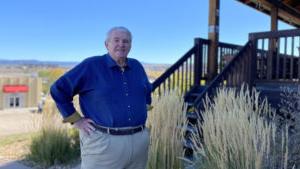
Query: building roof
point(288, 10)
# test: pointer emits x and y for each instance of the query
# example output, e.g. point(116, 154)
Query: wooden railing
point(225, 52)
point(179, 75)
point(241, 69)
point(277, 55)
point(267, 56)
point(191, 68)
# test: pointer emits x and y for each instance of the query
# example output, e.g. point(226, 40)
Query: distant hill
point(36, 63)
point(5, 62)
point(155, 66)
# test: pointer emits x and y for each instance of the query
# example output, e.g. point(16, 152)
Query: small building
point(18, 91)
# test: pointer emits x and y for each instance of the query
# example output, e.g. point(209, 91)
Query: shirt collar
point(112, 63)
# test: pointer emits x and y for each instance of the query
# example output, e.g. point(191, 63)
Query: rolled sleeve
point(148, 96)
point(72, 118)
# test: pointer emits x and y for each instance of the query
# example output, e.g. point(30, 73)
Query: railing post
point(253, 64)
point(271, 58)
point(198, 61)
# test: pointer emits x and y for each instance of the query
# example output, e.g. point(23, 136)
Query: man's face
point(118, 44)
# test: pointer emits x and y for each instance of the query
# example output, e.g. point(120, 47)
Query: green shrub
point(52, 147)
point(56, 143)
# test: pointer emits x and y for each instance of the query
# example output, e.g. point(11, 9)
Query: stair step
point(194, 93)
point(273, 95)
point(187, 143)
point(188, 163)
point(188, 128)
point(191, 129)
point(189, 103)
point(192, 117)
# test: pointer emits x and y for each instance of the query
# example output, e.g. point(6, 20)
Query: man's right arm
point(62, 92)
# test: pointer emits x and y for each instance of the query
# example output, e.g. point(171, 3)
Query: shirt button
point(126, 94)
point(129, 119)
point(124, 83)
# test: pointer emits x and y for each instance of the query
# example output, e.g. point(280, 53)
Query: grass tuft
point(239, 132)
point(56, 143)
point(52, 147)
point(164, 121)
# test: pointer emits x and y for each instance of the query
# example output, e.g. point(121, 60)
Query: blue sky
point(163, 30)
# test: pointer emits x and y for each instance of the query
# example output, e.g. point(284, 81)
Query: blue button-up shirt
point(108, 95)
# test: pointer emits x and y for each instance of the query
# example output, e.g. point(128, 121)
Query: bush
point(53, 147)
point(56, 143)
point(290, 117)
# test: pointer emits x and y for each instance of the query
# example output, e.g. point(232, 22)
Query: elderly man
point(114, 93)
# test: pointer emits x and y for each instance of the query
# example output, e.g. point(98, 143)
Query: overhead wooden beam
point(274, 18)
point(287, 11)
point(213, 36)
point(284, 7)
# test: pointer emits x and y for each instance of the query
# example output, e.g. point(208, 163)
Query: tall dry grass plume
point(166, 135)
point(239, 132)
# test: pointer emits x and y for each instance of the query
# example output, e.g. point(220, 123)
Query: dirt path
point(16, 121)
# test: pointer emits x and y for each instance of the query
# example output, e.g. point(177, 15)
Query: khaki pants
point(104, 151)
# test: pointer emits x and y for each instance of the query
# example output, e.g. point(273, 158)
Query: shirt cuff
point(72, 118)
point(149, 107)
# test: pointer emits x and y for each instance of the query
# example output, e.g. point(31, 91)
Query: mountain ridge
point(68, 64)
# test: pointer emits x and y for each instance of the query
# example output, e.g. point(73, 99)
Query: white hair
point(118, 28)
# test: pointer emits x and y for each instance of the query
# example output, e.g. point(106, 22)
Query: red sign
point(15, 88)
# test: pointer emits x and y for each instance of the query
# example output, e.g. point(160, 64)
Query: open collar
point(112, 63)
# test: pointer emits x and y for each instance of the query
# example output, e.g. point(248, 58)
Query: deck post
point(273, 44)
point(213, 36)
point(197, 61)
point(253, 62)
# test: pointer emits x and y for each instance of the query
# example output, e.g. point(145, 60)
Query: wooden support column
point(213, 36)
point(273, 44)
point(198, 61)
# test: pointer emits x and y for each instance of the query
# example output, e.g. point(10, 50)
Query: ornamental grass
point(55, 143)
point(164, 122)
point(239, 132)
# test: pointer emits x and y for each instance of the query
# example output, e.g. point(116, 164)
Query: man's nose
point(121, 43)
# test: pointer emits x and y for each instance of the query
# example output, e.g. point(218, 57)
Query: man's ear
point(106, 45)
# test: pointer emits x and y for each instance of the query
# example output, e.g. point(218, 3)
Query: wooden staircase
point(271, 91)
point(252, 64)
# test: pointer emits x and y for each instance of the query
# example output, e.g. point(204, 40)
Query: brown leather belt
point(120, 131)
